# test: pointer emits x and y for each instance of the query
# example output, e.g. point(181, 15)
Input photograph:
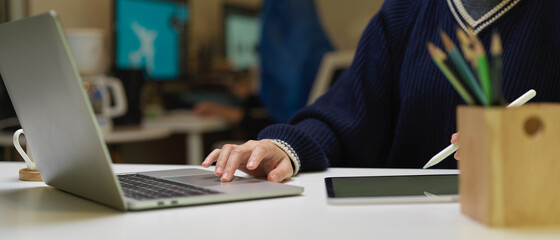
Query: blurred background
point(195, 74)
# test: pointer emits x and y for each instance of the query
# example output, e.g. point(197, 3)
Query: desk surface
point(178, 121)
point(30, 210)
point(151, 129)
point(186, 121)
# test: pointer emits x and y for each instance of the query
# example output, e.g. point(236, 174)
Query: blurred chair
point(332, 65)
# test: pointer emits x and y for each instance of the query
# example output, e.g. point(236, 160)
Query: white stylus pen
point(452, 148)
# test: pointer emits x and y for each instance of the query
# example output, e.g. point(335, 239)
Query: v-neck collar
point(465, 20)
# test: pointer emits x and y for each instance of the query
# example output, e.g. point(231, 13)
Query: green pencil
point(463, 69)
point(483, 70)
point(439, 58)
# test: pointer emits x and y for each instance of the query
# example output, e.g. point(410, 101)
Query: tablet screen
point(392, 186)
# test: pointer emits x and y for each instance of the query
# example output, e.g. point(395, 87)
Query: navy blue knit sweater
point(394, 108)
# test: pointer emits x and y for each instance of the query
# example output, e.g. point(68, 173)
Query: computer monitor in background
point(242, 30)
point(151, 35)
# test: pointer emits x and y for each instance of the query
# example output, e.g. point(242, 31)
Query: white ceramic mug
point(26, 156)
point(102, 90)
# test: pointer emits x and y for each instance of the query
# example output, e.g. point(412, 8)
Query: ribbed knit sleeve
point(322, 132)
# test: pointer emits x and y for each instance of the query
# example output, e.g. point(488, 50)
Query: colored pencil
point(466, 46)
point(463, 69)
point(483, 69)
point(439, 58)
point(496, 70)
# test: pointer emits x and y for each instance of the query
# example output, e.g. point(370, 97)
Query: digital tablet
point(392, 189)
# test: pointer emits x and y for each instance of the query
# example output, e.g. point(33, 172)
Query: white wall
point(344, 21)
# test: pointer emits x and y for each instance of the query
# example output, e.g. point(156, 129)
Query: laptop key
point(143, 187)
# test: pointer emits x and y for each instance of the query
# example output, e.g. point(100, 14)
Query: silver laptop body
point(67, 145)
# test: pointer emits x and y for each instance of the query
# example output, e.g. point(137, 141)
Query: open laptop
point(67, 145)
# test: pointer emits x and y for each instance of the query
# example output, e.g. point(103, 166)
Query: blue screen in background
point(242, 40)
point(147, 36)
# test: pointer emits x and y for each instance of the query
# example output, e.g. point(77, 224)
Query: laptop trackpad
point(209, 180)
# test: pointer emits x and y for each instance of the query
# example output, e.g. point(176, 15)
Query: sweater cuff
point(296, 164)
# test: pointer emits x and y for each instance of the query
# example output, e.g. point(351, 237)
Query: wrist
point(292, 155)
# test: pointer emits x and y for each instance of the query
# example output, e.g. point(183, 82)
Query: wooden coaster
point(29, 175)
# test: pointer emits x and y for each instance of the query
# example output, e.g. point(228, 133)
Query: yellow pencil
point(441, 60)
point(466, 47)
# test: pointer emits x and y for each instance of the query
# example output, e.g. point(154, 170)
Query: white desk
point(193, 126)
point(118, 135)
point(183, 122)
point(31, 210)
point(129, 134)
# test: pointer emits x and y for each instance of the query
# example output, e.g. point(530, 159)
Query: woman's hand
point(455, 141)
point(257, 158)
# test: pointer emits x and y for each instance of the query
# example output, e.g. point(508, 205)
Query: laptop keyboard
point(143, 187)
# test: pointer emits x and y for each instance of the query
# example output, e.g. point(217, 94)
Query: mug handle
point(30, 162)
point(119, 98)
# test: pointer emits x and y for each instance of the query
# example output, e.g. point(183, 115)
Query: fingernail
point(273, 178)
point(219, 170)
point(252, 163)
point(225, 176)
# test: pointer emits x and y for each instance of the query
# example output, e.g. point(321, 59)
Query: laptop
point(68, 147)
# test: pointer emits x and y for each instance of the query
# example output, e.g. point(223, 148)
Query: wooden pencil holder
point(510, 164)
